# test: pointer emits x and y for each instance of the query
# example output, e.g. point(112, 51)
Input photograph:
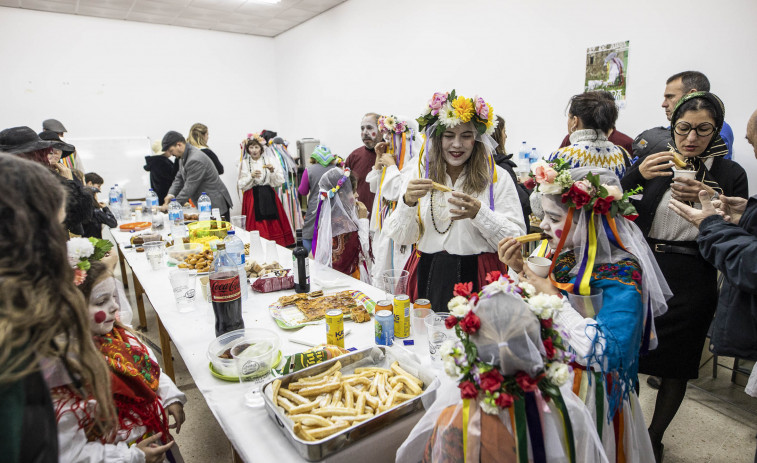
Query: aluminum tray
point(372, 356)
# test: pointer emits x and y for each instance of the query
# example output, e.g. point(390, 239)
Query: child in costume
point(393, 156)
point(340, 240)
point(598, 248)
point(144, 396)
point(321, 160)
point(510, 400)
point(259, 174)
point(457, 203)
point(287, 191)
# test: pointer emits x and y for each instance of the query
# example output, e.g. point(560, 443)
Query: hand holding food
point(416, 189)
point(510, 253)
point(656, 165)
point(686, 189)
point(467, 206)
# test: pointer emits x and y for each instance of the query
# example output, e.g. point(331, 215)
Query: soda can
point(335, 327)
point(384, 325)
point(401, 316)
point(384, 305)
point(422, 304)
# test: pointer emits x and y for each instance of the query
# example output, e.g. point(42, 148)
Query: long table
point(252, 433)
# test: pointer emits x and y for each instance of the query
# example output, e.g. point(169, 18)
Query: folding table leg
point(165, 347)
point(235, 458)
point(122, 261)
point(138, 292)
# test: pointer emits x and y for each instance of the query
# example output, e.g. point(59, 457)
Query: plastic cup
point(690, 174)
point(183, 285)
point(256, 247)
point(437, 333)
point(418, 328)
point(395, 282)
point(254, 360)
point(155, 251)
point(539, 265)
point(205, 287)
point(587, 306)
point(271, 252)
point(239, 222)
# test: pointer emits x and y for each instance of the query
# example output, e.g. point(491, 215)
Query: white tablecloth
point(254, 435)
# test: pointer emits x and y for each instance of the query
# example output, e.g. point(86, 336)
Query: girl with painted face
point(259, 174)
point(144, 396)
point(599, 251)
point(695, 126)
point(457, 203)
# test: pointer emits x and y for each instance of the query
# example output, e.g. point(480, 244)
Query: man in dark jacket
point(162, 171)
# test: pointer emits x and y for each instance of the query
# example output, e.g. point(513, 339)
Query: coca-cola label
point(225, 290)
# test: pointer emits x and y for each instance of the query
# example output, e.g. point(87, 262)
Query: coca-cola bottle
point(225, 292)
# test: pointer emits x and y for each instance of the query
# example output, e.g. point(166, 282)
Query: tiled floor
point(717, 421)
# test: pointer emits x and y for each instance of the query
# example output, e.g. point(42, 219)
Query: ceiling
point(254, 17)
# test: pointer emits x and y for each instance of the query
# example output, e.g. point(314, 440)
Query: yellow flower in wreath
point(463, 108)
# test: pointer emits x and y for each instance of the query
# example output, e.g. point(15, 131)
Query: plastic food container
point(225, 342)
point(205, 228)
point(180, 251)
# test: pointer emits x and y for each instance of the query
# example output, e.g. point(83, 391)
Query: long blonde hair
point(477, 176)
point(42, 314)
point(198, 135)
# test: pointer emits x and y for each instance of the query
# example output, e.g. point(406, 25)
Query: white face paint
point(458, 143)
point(369, 132)
point(553, 222)
point(255, 151)
point(103, 306)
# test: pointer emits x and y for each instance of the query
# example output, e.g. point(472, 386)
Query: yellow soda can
point(335, 328)
point(401, 316)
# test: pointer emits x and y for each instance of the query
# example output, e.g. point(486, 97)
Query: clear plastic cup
point(256, 247)
point(183, 285)
point(395, 282)
point(418, 328)
point(271, 252)
point(588, 306)
point(155, 252)
point(239, 222)
point(437, 333)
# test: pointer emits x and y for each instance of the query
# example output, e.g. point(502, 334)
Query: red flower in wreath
point(463, 289)
point(549, 348)
point(631, 217)
point(473, 298)
point(577, 194)
point(546, 323)
point(602, 205)
point(526, 382)
point(530, 183)
point(467, 390)
point(450, 322)
point(504, 400)
point(491, 381)
point(493, 276)
point(470, 323)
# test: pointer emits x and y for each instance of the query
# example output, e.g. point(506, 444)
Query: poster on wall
point(607, 69)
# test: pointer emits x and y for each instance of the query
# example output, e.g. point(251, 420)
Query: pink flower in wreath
point(544, 173)
point(437, 101)
point(79, 276)
point(482, 109)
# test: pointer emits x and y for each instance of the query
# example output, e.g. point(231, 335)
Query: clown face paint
point(255, 151)
point(553, 223)
point(369, 132)
point(458, 143)
point(103, 306)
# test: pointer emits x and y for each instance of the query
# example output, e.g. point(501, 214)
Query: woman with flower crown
point(457, 203)
point(510, 399)
point(143, 395)
point(394, 155)
point(259, 174)
point(598, 250)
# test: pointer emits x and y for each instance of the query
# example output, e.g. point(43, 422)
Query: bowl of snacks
point(253, 344)
point(199, 261)
point(206, 228)
point(179, 252)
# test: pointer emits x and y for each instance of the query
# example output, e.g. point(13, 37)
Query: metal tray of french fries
point(314, 431)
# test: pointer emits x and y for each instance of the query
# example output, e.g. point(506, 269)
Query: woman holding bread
point(457, 203)
point(695, 125)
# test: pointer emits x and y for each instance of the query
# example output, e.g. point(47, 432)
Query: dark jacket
point(78, 206)
point(100, 216)
point(730, 176)
point(505, 161)
point(214, 158)
point(162, 172)
point(732, 249)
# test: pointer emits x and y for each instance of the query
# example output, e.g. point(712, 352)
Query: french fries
point(440, 187)
point(531, 237)
point(329, 402)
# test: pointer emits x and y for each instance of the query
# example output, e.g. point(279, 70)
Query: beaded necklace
point(433, 220)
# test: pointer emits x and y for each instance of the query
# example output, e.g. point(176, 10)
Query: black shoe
point(654, 382)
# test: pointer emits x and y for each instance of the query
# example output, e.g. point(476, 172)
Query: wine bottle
point(300, 266)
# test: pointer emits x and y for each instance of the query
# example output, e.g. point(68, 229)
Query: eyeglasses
point(683, 128)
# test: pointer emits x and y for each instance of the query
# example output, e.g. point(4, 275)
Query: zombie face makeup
point(553, 223)
point(103, 307)
point(369, 132)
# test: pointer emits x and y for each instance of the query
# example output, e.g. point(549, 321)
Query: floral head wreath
point(392, 124)
point(484, 380)
point(252, 136)
point(447, 110)
point(81, 251)
point(323, 196)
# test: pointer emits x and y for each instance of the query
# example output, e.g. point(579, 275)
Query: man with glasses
point(656, 140)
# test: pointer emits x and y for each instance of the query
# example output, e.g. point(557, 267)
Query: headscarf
point(323, 155)
point(336, 213)
point(717, 146)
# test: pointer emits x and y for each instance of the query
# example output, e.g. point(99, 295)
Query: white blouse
point(249, 166)
point(465, 237)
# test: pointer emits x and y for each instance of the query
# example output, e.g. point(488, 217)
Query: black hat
point(20, 140)
point(53, 125)
point(171, 138)
point(57, 142)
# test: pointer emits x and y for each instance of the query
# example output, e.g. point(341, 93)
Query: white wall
point(109, 78)
point(526, 58)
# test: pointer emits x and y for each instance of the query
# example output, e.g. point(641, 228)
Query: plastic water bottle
point(235, 250)
point(203, 203)
point(534, 156)
point(115, 205)
point(176, 218)
point(152, 199)
point(120, 194)
point(524, 165)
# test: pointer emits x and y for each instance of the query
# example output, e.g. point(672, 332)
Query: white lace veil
point(337, 214)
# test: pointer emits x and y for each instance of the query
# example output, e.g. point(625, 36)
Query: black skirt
point(682, 330)
point(438, 273)
point(264, 203)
